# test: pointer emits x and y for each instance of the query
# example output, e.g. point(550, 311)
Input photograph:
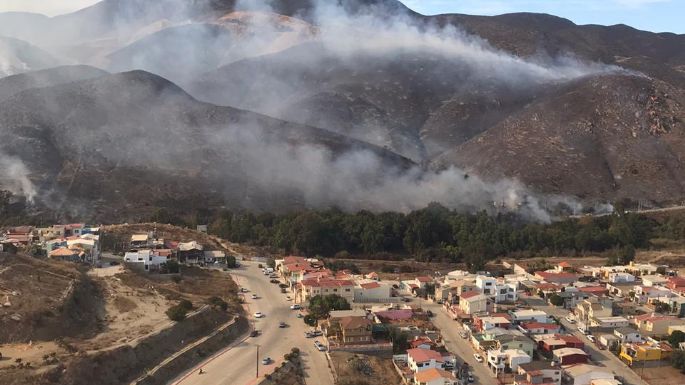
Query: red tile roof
point(370, 285)
point(470, 294)
point(592, 289)
point(325, 282)
point(292, 260)
point(432, 374)
point(564, 264)
point(423, 355)
point(424, 279)
point(539, 325)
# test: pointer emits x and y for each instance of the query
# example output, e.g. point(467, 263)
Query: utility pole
point(257, 362)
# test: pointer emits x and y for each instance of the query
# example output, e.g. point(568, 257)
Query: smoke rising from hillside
point(355, 179)
point(14, 177)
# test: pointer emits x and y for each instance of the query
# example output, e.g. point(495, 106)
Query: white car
point(258, 314)
point(266, 361)
point(478, 357)
point(570, 319)
point(254, 296)
point(591, 338)
point(319, 346)
point(295, 307)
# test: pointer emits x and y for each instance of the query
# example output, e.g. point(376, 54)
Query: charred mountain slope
point(11, 85)
point(605, 137)
point(122, 145)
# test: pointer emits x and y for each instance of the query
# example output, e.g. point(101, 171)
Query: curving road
point(238, 364)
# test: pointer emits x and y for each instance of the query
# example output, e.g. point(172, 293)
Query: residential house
point(654, 280)
point(609, 341)
point(563, 267)
point(309, 288)
point(652, 324)
point(608, 322)
point(510, 341)
point(422, 359)
point(190, 253)
point(145, 259)
point(473, 302)
point(216, 256)
point(644, 294)
point(569, 356)
point(140, 241)
point(434, 376)
point(548, 343)
point(590, 309)
point(483, 323)
point(538, 373)
point(558, 278)
point(533, 327)
point(527, 315)
point(621, 277)
point(372, 291)
point(628, 335)
point(584, 374)
point(422, 342)
point(676, 283)
point(621, 289)
point(645, 351)
point(66, 254)
point(355, 330)
point(500, 361)
point(394, 315)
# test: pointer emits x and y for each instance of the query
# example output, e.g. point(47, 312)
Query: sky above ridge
point(650, 15)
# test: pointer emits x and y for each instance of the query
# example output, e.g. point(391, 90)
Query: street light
point(257, 362)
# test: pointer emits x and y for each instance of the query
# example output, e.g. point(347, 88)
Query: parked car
point(258, 314)
point(570, 319)
point(243, 290)
point(295, 306)
point(591, 338)
point(282, 324)
point(299, 315)
point(308, 335)
point(319, 346)
point(471, 379)
point(463, 335)
point(287, 297)
point(317, 333)
point(254, 333)
point(254, 296)
point(274, 281)
point(478, 357)
point(266, 360)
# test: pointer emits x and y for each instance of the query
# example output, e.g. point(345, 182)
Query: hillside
point(358, 92)
point(124, 144)
point(17, 56)
point(11, 85)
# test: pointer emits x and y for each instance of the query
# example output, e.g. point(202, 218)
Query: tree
point(186, 305)
point(176, 313)
point(400, 340)
point(231, 262)
point(556, 300)
point(217, 303)
point(676, 338)
point(171, 267)
point(321, 306)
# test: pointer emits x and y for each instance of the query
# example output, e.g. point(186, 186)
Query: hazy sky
point(651, 15)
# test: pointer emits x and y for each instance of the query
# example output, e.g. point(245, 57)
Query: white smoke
point(14, 177)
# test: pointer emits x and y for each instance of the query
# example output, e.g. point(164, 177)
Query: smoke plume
point(14, 177)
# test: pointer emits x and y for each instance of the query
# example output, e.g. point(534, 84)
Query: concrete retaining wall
point(186, 360)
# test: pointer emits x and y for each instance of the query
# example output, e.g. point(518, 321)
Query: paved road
point(237, 366)
point(462, 348)
point(599, 357)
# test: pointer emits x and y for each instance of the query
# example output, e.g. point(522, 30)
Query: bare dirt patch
point(124, 305)
point(354, 368)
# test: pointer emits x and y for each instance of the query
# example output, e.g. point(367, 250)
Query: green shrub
point(185, 304)
point(176, 313)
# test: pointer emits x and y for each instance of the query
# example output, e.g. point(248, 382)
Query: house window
point(347, 290)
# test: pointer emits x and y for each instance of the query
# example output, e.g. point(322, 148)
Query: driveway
point(238, 365)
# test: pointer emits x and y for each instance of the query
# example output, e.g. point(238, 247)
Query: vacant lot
point(359, 369)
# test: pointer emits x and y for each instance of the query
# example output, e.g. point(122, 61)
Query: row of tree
point(437, 233)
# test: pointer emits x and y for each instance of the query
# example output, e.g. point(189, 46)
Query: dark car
point(254, 333)
point(282, 324)
point(275, 281)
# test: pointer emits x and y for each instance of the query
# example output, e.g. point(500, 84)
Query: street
point(238, 365)
point(599, 357)
point(456, 345)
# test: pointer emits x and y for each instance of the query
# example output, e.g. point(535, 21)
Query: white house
point(145, 259)
point(609, 322)
point(524, 315)
point(498, 290)
point(486, 284)
point(621, 277)
point(654, 280)
point(583, 374)
point(499, 360)
point(423, 359)
point(628, 335)
point(369, 290)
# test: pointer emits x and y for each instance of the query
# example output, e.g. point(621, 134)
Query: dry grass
point(124, 305)
point(347, 367)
